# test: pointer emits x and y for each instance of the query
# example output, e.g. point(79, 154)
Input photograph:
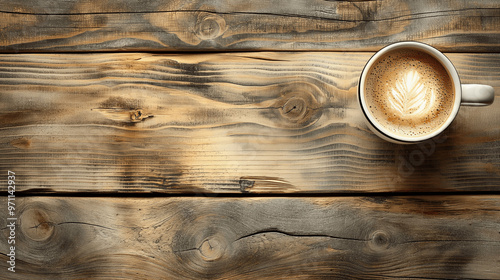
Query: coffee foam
point(409, 92)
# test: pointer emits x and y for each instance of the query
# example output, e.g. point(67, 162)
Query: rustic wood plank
point(133, 25)
point(238, 122)
point(433, 237)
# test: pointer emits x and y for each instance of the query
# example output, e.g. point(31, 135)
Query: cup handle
point(477, 95)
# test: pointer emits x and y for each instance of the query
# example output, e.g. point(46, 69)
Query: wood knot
point(138, 116)
point(245, 185)
point(36, 225)
point(380, 240)
point(209, 26)
point(300, 103)
point(266, 183)
point(212, 249)
point(294, 108)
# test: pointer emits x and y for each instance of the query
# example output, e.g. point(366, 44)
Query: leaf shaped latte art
point(409, 96)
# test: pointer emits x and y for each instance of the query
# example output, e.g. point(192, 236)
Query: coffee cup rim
point(451, 70)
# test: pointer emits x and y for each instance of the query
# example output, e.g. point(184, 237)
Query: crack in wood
point(444, 240)
point(291, 109)
point(412, 277)
point(300, 235)
point(352, 239)
point(63, 223)
point(187, 250)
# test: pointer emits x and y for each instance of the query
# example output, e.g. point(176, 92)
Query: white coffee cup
point(465, 94)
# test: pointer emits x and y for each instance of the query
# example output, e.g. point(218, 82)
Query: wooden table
point(223, 140)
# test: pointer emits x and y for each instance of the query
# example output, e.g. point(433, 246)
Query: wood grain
point(234, 123)
point(203, 25)
point(431, 237)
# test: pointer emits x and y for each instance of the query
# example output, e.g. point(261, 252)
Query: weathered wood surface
point(430, 237)
point(201, 25)
point(240, 122)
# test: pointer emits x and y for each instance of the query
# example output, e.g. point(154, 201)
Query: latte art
point(409, 92)
point(410, 96)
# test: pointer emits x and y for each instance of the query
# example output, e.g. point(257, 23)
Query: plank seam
point(250, 195)
point(394, 18)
